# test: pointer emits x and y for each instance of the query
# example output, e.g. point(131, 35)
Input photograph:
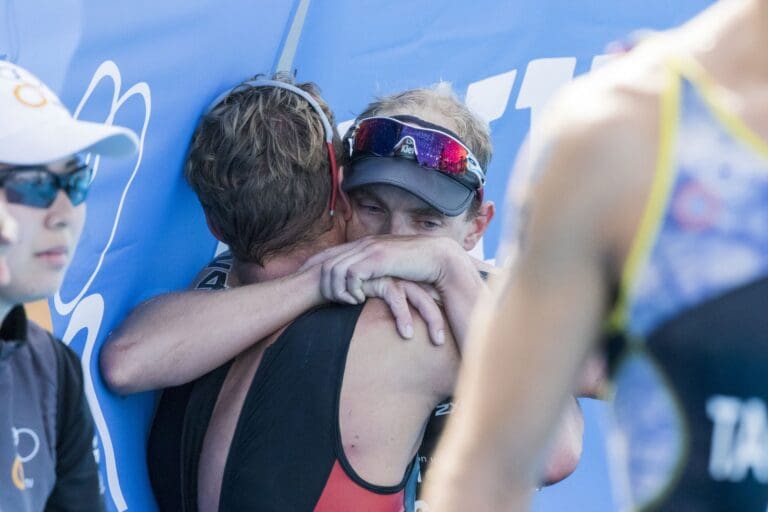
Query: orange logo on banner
point(17, 474)
point(34, 100)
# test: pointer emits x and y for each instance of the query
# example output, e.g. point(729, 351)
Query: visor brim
point(440, 191)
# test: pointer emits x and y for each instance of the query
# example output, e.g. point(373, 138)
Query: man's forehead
point(396, 198)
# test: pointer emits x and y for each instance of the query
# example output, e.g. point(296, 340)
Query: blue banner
point(154, 66)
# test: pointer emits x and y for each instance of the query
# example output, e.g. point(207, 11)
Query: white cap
point(36, 128)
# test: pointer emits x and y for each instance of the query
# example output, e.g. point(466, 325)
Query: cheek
point(463, 232)
point(457, 231)
point(354, 229)
point(366, 224)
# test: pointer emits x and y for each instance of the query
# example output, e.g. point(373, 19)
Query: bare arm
point(535, 330)
point(177, 337)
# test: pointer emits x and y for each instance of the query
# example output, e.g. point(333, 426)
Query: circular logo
point(30, 95)
point(27, 443)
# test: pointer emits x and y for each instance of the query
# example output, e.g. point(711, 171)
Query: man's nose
point(399, 225)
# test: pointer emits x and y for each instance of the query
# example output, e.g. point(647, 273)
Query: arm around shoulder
point(175, 338)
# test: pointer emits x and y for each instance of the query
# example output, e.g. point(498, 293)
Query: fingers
point(391, 292)
point(335, 251)
point(333, 279)
point(334, 282)
point(345, 268)
point(428, 309)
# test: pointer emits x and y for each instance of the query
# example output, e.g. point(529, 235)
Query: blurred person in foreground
point(647, 230)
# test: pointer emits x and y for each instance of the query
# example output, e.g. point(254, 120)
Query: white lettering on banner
point(739, 438)
point(88, 312)
point(489, 97)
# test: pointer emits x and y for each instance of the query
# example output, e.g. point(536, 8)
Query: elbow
point(118, 370)
point(566, 452)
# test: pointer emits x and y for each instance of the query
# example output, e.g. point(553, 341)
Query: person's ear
point(344, 206)
point(212, 227)
point(479, 224)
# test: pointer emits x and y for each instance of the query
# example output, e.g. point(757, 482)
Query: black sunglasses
point(37, 186)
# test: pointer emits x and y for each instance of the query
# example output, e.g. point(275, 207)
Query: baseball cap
point(442, 192)
point(36, 128)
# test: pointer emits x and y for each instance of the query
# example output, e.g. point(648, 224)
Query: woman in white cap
point(46, 432)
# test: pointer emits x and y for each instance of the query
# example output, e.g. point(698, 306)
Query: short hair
point(471, 129)
point(259, 164)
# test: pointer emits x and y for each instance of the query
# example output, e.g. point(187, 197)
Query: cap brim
point(441, 192)
point(53, 141)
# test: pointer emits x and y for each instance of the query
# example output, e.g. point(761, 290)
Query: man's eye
point(371, 208)
point(429, 224)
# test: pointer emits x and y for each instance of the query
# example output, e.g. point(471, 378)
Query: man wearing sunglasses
point(46, 430)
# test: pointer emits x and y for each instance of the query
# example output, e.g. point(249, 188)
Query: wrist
point(309, 280)
point(457, 271)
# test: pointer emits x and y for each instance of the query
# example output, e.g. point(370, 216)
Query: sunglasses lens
point(77, 184)
point(453, 157)
point(438, 151)
point(31, 188)
point(377, 136)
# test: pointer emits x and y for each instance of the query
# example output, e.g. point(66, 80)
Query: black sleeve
point(77, 486)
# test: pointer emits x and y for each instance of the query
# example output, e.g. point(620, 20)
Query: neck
point(5, 308)
point(283, 264)
point(276, 267)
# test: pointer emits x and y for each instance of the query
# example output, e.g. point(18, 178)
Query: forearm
point(178, 337)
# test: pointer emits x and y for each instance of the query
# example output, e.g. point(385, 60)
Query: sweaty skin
point(596, 167)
